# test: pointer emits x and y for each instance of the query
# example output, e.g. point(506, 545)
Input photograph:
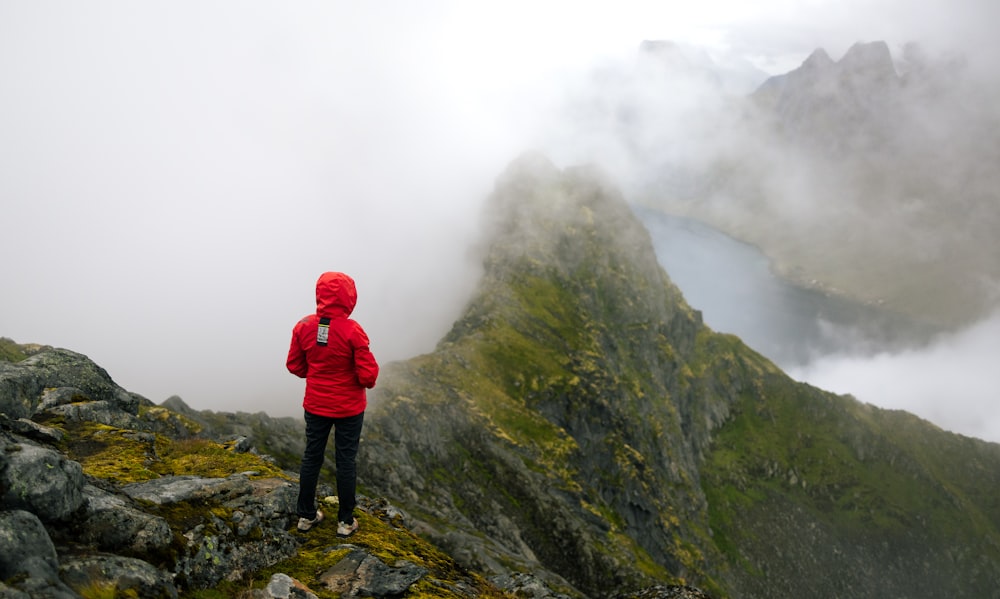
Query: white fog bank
point(954, 383)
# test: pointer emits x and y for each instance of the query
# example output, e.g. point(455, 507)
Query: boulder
point(23, 383)
point(102, 411)
point(117, 575)
point(174, 489)
point(32, 430)
point(283, 586)
point(112, 523)
point(361, 574)
point(40, 481)
point(28, 556)
point(25, 546)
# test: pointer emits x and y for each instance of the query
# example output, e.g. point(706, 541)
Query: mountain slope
point(580, 420)
point(536, 388)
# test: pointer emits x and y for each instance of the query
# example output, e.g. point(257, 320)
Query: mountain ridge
point(553, 330)
point(579, 425)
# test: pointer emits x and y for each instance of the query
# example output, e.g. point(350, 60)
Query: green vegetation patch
point(117, 455)
point(125, 456)
point(201, 457)
point(180, 422)
point(322, 549)
point(10, 351)
point(859, 470)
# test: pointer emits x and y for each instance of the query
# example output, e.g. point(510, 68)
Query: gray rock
point(111, 523)
point(41, 481)
point(173, 489)
point(31, 430)
point(7, 592)
point(240, 443)
point(253, 537)
point(104, 412)
point(61, 396)
point(25, 546)
point(23, 383)
point(360, 573)
point(215, 552)
point(127, 576)
point(28, 556)
point(18, 390)
point(283, 586)
point(525, 585)
point(666, 592)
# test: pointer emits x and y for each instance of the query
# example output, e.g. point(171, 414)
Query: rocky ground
point(103, 494)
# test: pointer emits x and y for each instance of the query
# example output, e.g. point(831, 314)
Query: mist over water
point(732, 284)
point(885, 359)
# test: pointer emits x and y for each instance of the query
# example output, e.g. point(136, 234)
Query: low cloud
point(954, 382)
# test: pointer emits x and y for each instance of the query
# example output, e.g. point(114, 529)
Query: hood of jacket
point(336, 295)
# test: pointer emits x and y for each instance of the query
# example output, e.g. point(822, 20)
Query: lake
point(732, 284)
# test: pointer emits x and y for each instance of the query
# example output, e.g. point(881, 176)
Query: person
point(330, 351)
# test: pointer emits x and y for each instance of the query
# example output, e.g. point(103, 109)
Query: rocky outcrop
point(64, 532)
point(538, 423)
point(189, 544)
point(69, 378)
point(70, 529)
point(40, 480)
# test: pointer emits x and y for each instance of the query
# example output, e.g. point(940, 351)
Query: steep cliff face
point(580, 421)
point(560, 416)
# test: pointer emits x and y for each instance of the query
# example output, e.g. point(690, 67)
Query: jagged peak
point(545, 213)
point(871, 58)
point(819, 59)
point(572, 229)
point(175, 404)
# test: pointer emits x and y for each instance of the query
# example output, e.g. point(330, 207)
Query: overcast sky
point(175, 175)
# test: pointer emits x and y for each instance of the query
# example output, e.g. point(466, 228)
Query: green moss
point(124, 456)
point(163, 415)
point(201, 457)
point(871, 475)
point(322, 549)
point(10, 351)
point(112, 454)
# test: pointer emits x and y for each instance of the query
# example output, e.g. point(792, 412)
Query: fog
point(175, 176)
point(953, 383)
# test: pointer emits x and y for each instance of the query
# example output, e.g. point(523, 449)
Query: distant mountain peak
point(819, 59)
point(870, 60)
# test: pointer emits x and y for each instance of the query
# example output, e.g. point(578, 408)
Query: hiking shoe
point(345, 530)
point(305, 524)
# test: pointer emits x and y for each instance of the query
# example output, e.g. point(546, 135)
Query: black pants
point(346, 437)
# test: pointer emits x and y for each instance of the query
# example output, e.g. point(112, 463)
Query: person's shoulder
point(307, 319)
point(357, 328)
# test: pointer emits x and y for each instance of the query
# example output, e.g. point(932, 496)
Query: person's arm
point(365, 366)
point(296, 362)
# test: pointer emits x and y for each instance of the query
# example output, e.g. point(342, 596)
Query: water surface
point(732, 283)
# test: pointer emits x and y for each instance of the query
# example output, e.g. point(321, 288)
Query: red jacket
point(338, 372)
